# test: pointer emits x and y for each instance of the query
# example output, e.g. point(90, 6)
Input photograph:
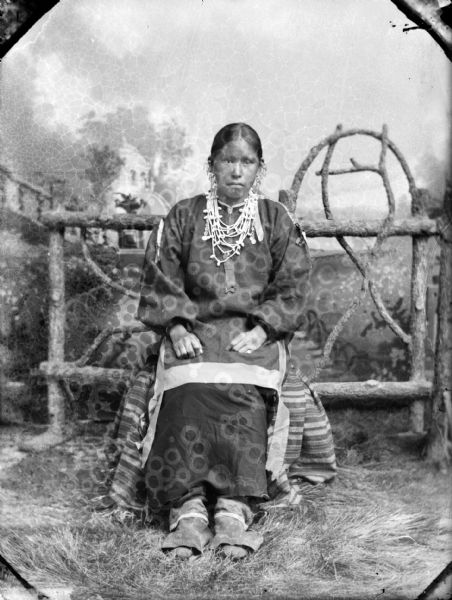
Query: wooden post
point(57, 318)
point(418, 312)
point(438, 447)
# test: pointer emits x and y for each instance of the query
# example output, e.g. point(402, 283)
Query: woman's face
point(235, 167)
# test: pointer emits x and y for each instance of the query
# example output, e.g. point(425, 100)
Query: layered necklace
point(228, 240)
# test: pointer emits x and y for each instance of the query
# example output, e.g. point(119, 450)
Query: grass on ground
point(382, 529)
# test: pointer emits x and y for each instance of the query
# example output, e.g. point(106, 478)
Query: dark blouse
point(266, 283)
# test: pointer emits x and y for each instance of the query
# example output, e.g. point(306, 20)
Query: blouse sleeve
point(281, 309)
point(163, 301)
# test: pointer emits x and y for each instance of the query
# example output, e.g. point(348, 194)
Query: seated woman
point(226, 292)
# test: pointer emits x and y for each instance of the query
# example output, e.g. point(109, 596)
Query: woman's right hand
point(185, 344)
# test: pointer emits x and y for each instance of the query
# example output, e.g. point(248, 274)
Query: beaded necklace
point(228, 240)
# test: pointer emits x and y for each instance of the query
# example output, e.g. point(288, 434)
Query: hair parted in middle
point(234, 131)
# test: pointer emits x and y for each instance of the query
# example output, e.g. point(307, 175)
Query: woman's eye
point(231, 161)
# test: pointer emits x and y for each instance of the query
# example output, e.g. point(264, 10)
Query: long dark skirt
point(208, 435)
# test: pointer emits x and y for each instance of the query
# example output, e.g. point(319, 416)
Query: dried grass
point(351, 547)
point(353, 539)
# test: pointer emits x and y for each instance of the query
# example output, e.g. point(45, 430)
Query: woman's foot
point(234, 552)
point(190, 537)
point(233, 539)
point(182, 552)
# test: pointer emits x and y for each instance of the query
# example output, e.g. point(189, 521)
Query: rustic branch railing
point(419, 227)
point(312, 228)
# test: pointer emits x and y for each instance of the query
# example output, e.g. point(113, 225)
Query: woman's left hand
point(248, 341)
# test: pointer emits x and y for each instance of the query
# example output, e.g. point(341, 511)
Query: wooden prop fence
point(418, 392)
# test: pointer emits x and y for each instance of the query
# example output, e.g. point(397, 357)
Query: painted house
point(133, 191)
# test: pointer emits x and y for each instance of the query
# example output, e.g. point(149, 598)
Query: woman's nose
point(237, 169)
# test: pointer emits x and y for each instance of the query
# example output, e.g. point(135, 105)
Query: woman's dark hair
point(233, 131)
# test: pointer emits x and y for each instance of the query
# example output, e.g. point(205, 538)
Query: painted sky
point(292, 69)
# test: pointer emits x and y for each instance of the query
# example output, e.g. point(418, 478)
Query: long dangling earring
point(212, 178)
point(259, 177)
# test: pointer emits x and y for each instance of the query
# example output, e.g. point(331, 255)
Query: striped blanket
point(299, 436)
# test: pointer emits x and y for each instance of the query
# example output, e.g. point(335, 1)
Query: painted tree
point(163, 144)
point(103, 166)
